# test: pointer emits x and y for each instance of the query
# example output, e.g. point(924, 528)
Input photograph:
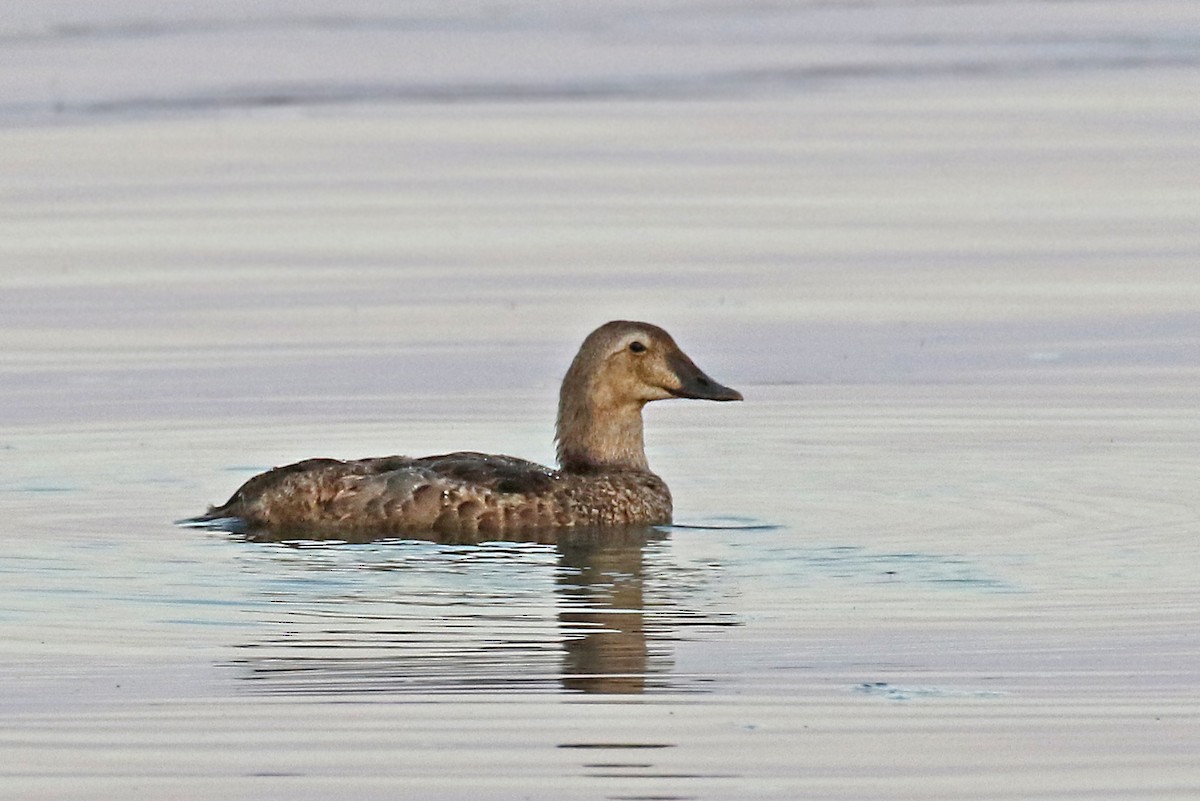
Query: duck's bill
point(693, 383)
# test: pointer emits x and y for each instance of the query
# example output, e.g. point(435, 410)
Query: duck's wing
point(491, 472)
point(391, 492)
point(312, 482)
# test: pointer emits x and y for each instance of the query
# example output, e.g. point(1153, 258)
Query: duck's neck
point(595, 434)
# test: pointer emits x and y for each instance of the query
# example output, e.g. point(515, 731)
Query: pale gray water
point(947, 547)
point(123, 57)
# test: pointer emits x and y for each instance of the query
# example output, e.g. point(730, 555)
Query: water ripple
point(576, 53)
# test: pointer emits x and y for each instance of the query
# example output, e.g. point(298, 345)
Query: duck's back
point(461, 492)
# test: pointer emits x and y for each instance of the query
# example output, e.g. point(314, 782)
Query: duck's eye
point(637, 347)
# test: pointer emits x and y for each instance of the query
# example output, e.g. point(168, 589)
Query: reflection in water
point(437, 616)
point(601, 585)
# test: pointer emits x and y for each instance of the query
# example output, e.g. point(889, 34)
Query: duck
point(602, 480)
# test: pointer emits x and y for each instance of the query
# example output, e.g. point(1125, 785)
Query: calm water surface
point(947, 548)
point(938, 586)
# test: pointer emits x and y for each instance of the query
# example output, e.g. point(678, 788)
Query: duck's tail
point(217, 517)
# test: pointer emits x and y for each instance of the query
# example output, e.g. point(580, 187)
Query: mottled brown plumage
point(604, 479)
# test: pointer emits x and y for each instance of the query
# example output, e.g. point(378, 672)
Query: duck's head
point(621, 367)
point(626, 362)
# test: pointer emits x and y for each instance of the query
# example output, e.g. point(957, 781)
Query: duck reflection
point(601, 585)
point(484, 620)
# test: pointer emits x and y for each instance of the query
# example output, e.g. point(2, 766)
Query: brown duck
point(603, 479)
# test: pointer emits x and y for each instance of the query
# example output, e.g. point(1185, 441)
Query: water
point(946, 548)
point(225, 55)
